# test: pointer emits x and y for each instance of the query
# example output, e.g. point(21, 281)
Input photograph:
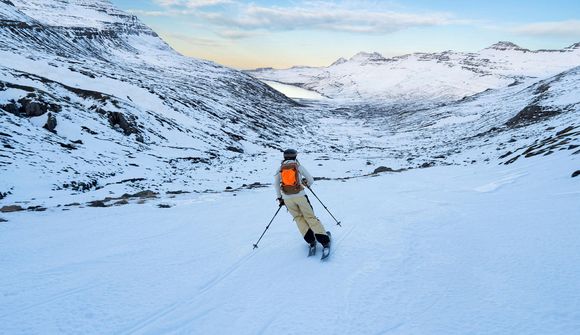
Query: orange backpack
point(290, 178)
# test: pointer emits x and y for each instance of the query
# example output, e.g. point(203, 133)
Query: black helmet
point(290, 154)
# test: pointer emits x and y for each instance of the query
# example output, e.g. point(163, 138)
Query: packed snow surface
point(447, 250)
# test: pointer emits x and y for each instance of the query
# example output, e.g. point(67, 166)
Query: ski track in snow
point(189, 302)
point(422, 252)
point(495, 185)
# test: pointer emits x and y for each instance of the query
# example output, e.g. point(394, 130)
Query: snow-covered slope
point(97, 109)
point(120, 104)
point(458, 218)
point(483, 249)
point(436, 77)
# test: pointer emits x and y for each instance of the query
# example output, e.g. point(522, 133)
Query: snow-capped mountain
point(435, 77)
point(98, 103)
point(85, 82)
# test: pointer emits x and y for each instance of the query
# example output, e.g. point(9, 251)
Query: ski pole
point(337, 222)
point(268, 226)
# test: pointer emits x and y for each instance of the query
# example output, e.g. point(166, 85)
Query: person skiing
point(289, 183)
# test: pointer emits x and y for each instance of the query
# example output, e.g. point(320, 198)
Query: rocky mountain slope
point(89, 96)
point(435, 77)
point(95, 108)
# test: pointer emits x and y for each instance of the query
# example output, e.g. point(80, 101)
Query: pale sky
point(281, 34)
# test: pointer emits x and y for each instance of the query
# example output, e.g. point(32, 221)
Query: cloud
point(191, 3)
point(327, 16)
point(570, 28)
point(237, 19)
point(196, 41)
point(236, 34)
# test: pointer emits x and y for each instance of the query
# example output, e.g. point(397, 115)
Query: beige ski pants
point(304, 216)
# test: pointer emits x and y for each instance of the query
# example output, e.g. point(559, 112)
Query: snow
point(436, 77)
point(72, 13)
point(426, 251)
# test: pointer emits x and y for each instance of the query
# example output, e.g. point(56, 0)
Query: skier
point(289, 182)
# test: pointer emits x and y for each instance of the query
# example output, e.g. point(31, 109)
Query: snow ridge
point(436, 77)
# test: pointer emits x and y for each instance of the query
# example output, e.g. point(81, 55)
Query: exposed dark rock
point(77, 142)
point(127, 124)
point(257, 185)
point(576, 173)
point(565, 130)
point(132, 180)
point(11, 208)
point(4, 195)
point(530, 114)
point(383, 169)
point(177, 192)
point(121, 202)
point(67, 146)
point(145, 194)
point(11, 108)
point(29, 106)
point(234, 137)
point(234, 149)
point(50, 124)
point(164, 206)
point(88, 130)
point(194, 160)
point(505, 155)
point(81, 186)
point(33, 108)
point(97, 203)
point(36, 209)
point(427, 165)
point(535, 153)
point(542, 88)
point(72, 204)
point(3, 220)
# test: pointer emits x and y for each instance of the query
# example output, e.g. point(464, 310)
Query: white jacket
point(302, 174)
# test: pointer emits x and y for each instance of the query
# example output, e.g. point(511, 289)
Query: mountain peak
point(339, 61)
point(505, 45)
point(367, 56)
point(96, 14)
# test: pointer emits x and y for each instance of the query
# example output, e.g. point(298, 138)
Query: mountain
point(96, 105)
point(92, 85)
point(427, 77)
point(365, 58)
point(505, 45)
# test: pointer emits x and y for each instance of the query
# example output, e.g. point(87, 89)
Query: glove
point(280, 202)
point(305, 182)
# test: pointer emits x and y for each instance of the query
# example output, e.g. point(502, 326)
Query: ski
point(312, 250)
point(326, 250)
